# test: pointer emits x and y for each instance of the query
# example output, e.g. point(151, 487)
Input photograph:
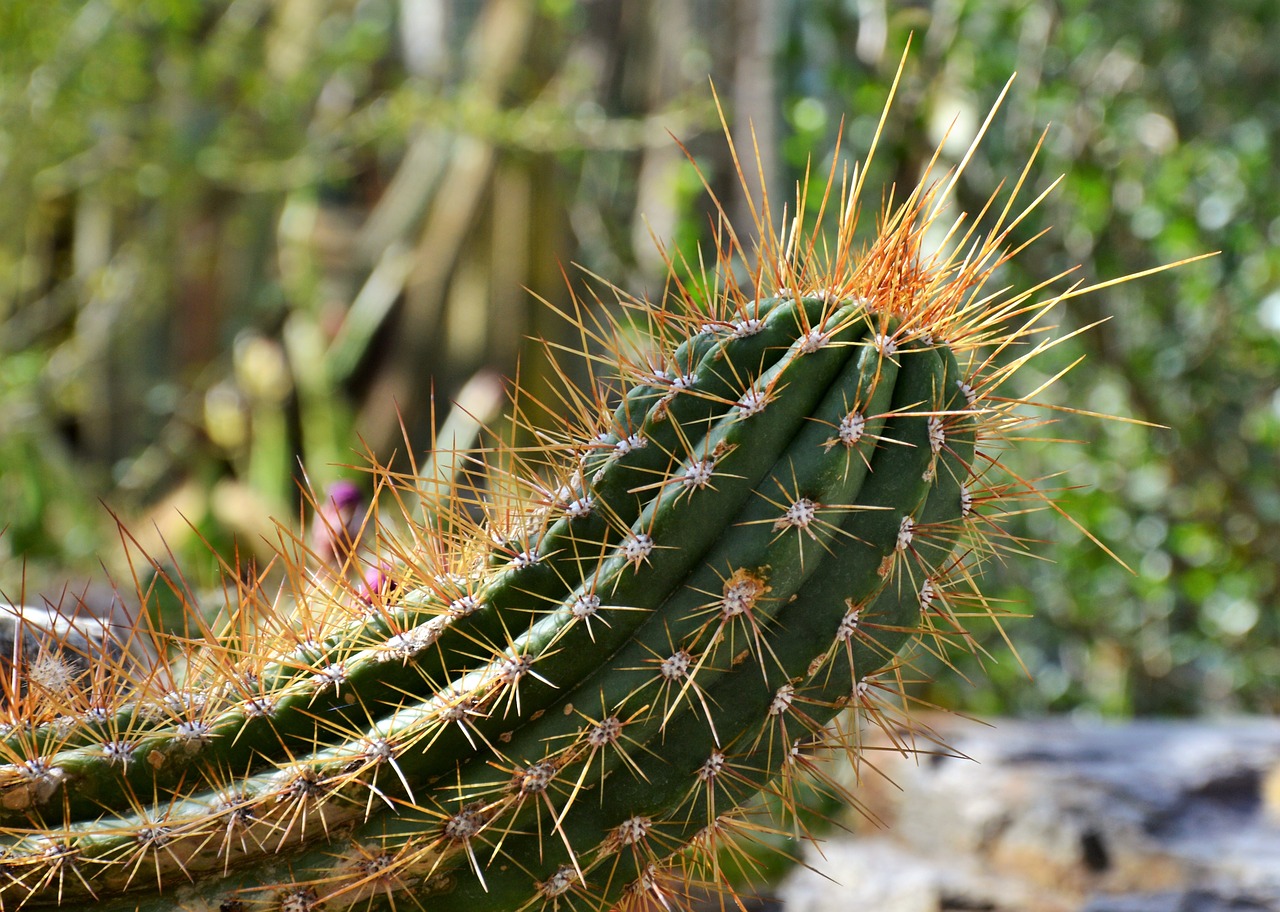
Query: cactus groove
point(580, 669)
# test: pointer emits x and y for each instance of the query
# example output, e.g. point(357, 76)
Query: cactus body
point(570, 701)
point(682, 634)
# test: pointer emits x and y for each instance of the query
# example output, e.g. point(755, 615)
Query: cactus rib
point(661, 783)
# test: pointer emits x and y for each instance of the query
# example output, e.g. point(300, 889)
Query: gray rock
point(1064, 815)
point(57, 650)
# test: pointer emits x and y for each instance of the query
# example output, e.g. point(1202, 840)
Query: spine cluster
point(572, 676)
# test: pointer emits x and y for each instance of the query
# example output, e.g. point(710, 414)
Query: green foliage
point(1162, 119)
point(147, 150)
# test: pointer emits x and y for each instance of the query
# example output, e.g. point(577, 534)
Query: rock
point(56, 647)
point(1063, 815)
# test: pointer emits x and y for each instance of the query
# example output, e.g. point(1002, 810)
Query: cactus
point(562, 687)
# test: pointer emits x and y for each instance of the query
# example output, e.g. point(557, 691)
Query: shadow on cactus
point(559, 679)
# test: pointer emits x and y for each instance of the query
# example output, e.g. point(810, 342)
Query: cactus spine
point(569, 700)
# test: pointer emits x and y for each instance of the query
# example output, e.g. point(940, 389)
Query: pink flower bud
point(335, 530)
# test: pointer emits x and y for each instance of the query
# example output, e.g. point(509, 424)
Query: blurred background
point(240, 238)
